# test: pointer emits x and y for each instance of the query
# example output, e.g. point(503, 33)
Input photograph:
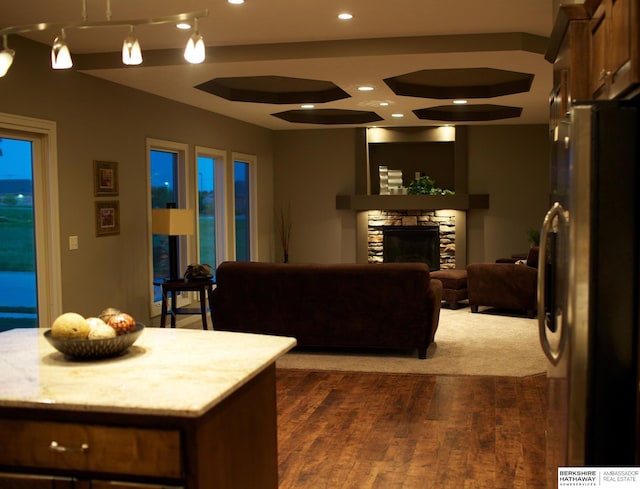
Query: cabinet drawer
point(91, 448)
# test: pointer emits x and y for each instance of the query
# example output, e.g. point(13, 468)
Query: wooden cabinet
point(232, 445)
point(595, 51)
point(92, 448)
point(569, 51)
point(615, 48)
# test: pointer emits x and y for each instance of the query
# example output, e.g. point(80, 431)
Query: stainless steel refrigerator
point(588, 289)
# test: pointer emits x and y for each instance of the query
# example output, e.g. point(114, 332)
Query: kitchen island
point(180, 408)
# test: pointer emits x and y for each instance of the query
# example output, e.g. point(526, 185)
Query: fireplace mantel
point(412, 202)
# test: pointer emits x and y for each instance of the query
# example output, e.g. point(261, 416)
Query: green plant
point(426, 185)
point(534, 236)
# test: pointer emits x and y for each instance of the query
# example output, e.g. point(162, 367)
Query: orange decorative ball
point(123, 323)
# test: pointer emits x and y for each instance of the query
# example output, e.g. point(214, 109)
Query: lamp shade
point(173, 222)
point(195, 51)
point(60, 55)
point(131, 52)
point(6, 59)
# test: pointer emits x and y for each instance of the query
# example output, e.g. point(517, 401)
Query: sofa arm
point(502, 285)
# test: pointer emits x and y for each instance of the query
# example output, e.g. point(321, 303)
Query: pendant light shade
point(6, 57)
point(131, 52)
point(195, 51)
point(60, 55)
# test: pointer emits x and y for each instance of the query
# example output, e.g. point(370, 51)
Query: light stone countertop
point(170, 372)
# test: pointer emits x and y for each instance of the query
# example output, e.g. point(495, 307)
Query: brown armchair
point(505, 285)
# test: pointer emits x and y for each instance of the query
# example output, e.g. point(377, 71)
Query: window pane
point(164, 170)
point(207, 210)
point(18, 293)
point(242, 217)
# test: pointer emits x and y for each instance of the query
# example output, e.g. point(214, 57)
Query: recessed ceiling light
point(307, 106)
point(397, 116)
point(236, 2)
point(345, 16)
point(365, 88)
point(384, 104)
point(460, 102)
point(183, 26)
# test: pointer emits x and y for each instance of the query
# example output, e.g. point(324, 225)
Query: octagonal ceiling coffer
point(273, 89)
point(328, 116)
point(460, 113)
point(460, 83)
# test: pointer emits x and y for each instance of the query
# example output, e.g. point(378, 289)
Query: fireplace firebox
point(412, 244)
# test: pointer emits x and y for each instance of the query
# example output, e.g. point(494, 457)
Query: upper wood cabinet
point(615, 48)
point(569, 49)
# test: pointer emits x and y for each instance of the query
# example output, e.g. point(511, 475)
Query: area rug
point(485, 343)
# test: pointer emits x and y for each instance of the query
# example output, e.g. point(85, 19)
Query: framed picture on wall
point(105, 178)
point(107, 218)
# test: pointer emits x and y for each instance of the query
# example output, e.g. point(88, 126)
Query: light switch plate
point(73, 242)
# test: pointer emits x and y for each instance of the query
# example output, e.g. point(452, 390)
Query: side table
point(172, 287)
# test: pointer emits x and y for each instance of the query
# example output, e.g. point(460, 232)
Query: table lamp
point(173, 222)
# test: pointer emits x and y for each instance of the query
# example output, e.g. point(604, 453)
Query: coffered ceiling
point(417, 55)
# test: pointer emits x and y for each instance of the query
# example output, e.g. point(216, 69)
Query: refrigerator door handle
point(553, 354)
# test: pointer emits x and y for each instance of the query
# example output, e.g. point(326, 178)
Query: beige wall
point(511, 164)
point(311, 168)
point(98, 120)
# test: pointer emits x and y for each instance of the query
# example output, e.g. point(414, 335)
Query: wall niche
point(436, 151)
point(436, 159)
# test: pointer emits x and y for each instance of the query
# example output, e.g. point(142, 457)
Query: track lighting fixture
point(6, 57)
point(131, 52)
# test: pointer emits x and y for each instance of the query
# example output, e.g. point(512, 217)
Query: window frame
point(184, 199)
point(220, 173)
point(43, 134)
point(252, 161)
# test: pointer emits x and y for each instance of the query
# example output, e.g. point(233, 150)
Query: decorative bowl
point(102, 348)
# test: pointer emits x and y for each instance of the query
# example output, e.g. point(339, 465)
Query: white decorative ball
point(99, 330)
point(70, 325)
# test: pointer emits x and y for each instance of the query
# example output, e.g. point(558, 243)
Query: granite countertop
point(171, 372)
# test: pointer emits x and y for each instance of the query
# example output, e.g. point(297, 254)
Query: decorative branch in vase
point(285, 232)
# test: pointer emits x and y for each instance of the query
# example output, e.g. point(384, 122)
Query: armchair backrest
point(532, 257)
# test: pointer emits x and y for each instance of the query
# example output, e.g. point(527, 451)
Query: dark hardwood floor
point(362, 430)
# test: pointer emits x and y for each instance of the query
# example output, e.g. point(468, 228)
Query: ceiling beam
point(509, 41)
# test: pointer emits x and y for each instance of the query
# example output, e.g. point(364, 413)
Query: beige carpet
point(484, 343)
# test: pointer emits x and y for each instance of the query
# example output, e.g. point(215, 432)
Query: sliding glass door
point(30, 276)
point(18, 282)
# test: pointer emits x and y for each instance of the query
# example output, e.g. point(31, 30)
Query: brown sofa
point(389, 305)
point(505, 285)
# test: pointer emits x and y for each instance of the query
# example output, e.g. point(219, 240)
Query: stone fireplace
point(410, 221)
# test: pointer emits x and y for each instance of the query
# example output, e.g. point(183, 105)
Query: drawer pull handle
point(84, 448)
